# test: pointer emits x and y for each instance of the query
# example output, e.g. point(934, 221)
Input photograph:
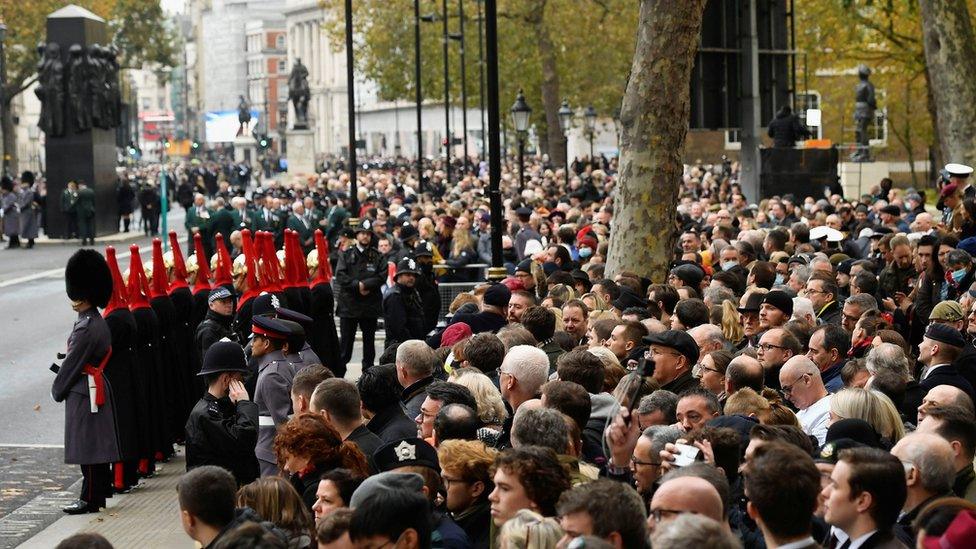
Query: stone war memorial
point(78, 86)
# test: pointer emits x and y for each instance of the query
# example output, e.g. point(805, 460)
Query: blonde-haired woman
point(491, 410)
point(873, 407)
point(529, 530)
point(595, 302)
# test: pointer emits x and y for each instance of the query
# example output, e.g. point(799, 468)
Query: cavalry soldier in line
point(359, 276)
point(90, 431)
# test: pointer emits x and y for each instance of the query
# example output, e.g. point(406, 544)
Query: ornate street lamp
point(521, 111)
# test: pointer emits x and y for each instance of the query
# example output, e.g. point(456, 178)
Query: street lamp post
point(447, 101)
point(590, 116)
point(351, 102)
point(419, 96)
point(565, 121)
point(464, 87)
point(3, 98)
point(520, 118)
point(497, 271)
point(481, 85)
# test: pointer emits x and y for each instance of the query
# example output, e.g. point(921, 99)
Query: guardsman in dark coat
point(89, 431)
point(360, 274)
point(85, 208)
point(272, 392)
point(403, 312)
point(223, 425)
point(324, 340)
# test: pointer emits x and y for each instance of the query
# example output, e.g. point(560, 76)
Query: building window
point(282, 65)
point(280, 42)
point(879, 130)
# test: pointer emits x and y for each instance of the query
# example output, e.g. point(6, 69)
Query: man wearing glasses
point(674, 353)
point(822, 292)
point(775, 347)
point(802, 385)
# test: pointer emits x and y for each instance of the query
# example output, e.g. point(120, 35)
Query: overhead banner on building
point(222, 126)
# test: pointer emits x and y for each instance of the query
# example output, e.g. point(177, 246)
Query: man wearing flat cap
point(940, 347)
point(891, 218)
point(272, 392)
point(674, 353)
point(223, 425)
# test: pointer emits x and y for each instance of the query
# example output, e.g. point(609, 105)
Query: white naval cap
point(958, 170)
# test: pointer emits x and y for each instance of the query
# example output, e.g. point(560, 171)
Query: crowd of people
point(803, 377)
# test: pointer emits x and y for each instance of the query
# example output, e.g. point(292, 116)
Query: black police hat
point(87, 278)
point(270, 327)
point(677, 340)
point(406, 452)
point(224, 356)
point(423, 249)
point(407, 266)
point(265, 304)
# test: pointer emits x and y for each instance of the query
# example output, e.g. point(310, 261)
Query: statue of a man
point(79, 90)
point(243, 115)
point(864, 107)
point(299, 93)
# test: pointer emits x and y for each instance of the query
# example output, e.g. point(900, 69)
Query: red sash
point(96, 372)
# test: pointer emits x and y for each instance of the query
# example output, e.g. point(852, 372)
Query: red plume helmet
point(138, 285)
point(250, 261)
point(202, 283)
point(179, 266)
point(117, 301)
point(223, 275)
point(298, 263)
point(323, 272)
point(159, 285)
point(289, 247)
point(273, 284)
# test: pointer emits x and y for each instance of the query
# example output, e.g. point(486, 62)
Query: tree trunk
point(936, 151)
point(950, 55)
point(555, 142)
point(9, 138)
point(654, 116)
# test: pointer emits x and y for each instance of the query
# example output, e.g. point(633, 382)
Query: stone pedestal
point(301, 152)
point(245, 149)
point(857, 178)
point(87, 155)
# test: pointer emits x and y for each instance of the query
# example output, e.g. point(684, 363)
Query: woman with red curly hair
point(307, 447)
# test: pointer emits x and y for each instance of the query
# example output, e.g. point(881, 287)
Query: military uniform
point(272, 393)
point(85, 207)
point(90, 433)
point(359, 265)
point(68, 199)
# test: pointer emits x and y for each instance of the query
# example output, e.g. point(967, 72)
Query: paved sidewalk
point(147, 517)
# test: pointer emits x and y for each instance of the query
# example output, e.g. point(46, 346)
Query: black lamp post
point(351, 102)
point(565, 122)
point(520, 119)
point(481, 85)
point(447, 100)
point(3, 99)
point(590, 116)
point(419, 96)
point(464, 86)
point(497, 270)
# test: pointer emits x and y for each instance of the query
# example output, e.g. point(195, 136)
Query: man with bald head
point(684, 495)
point(744, 371)
point(941, 395)
point(803, 386)
point(775, 347)
point(929, 472)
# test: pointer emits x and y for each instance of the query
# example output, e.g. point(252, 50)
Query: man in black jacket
point(359, 275)
point(223, 425)
point(380, 393)
point(493, 315)
point(403, 312)
point(786, 129)
point(217, 324)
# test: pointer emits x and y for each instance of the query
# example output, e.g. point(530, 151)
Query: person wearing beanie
point(775, 310)
point(223, 425)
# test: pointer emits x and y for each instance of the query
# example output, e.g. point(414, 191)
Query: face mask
point(585, 252)
point(779, 280)
point(959, 275)
point(729, 264)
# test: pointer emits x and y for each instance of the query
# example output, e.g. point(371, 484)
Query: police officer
point(301, 354)
point(272, 392)
point(426, 285)
point(403, 312)
point(223, 425)
point(360, 274)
